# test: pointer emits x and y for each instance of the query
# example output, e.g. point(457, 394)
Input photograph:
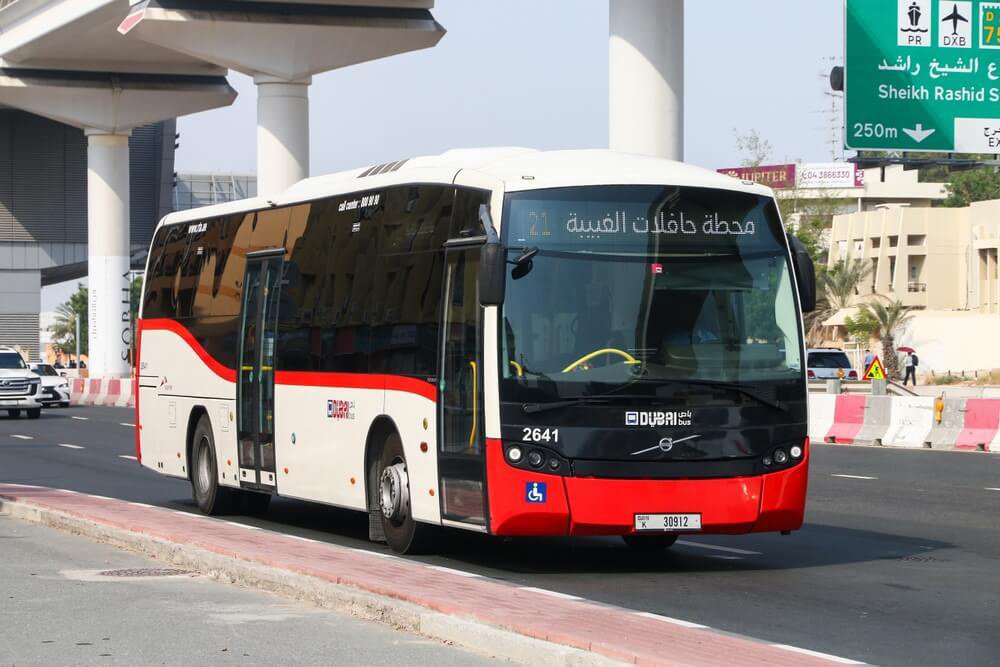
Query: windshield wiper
point(555, 405)
point(599, 398)
point(732, 386)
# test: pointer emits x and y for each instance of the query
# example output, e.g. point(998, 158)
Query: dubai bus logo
point(336, 409)
point(657, 418)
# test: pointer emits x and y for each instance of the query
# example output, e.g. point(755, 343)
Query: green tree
point(862, 328)
point(889, 316)
point(756, 149)
point(836, 287)
point(64, 328)
point(965, 187)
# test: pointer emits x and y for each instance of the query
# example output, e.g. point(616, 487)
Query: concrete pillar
point(109, 334)
point(282, 133)
point(646, 59)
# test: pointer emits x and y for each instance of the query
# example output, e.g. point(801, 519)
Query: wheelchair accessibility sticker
point(535, 492)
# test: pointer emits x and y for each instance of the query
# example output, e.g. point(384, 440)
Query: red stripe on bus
point(227, 374)
point(302, 378)
point(357, 381)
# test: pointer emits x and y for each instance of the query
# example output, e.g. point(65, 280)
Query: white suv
point(824, 362)
point(20, 389)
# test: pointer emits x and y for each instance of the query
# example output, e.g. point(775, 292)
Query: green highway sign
point(923, 75)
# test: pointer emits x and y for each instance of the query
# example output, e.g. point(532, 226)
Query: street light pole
point(77, 338)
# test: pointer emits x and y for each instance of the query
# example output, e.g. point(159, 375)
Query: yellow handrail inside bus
point(629, 359)
point(475, 393)
point(517, 367)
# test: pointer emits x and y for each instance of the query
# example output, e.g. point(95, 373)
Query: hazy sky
point(535, 73)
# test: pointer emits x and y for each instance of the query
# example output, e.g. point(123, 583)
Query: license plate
point(668, 522)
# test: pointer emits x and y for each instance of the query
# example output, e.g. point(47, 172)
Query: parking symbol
point(536, 492)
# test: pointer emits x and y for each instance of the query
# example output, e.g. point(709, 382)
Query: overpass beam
point(109, 335)
point(282, 132)
point(646, 64)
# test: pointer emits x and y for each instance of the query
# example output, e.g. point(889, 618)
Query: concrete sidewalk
point(70, 601)
point(522, 624)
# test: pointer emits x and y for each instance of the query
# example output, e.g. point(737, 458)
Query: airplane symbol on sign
point(954, 17)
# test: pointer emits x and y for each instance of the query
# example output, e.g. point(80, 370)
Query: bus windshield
point(624, 289)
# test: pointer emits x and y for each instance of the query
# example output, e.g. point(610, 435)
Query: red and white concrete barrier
point(911, 422)
point(982, 423)
point(848, 418)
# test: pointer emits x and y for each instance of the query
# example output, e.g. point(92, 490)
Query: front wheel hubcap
point(204, 467)
point(394, 492)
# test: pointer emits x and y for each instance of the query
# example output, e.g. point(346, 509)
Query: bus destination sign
point(923, 75)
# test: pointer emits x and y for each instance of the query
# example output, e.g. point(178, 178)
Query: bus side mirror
point(805, 274)
point(492, 274)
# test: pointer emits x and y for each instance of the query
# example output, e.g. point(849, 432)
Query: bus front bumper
point(522, 502)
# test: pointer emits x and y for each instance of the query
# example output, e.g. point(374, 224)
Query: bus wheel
point(210, 497)
point(402, 533)
point(650, 542)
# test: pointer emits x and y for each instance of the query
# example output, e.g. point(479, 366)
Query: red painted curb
point(614, 632)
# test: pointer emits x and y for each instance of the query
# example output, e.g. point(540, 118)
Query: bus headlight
point(780, 456)
point(535, 458)
point(796, 452)
point(514, 454)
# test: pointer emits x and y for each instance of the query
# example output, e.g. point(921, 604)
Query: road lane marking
point(143, 505)
point(22, 437)
point(674, 621)
point(69, 446)
point(378, 554)
point(240, 525)
point(731, 550)
point(451, 570)
point(990, 488)
point(545, 591)
point(125, 424)
point(83, 419)
point(126, 456)
point(817, 654)
point(298, 537)
point(854, 476)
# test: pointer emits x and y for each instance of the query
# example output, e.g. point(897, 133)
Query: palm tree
point(64, 327)
point(890, 316)
point(837, 287)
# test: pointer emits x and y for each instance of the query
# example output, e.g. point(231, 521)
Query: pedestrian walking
point(911, 368)
point(869, 358)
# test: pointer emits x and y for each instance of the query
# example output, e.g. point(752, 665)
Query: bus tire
point(210, 497)
point(254, 503)
point(403, 534)
point(648, 543)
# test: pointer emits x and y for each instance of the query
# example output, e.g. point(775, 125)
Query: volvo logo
point(665, 445)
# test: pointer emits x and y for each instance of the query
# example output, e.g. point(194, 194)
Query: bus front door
point(461, 462)
point(255, 381)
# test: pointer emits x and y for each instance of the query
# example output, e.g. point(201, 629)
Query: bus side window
point(235, 231)
point(407, 292)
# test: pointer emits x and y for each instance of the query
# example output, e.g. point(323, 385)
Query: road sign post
point(923, 75)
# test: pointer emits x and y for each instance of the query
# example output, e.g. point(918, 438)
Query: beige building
point(944, 262)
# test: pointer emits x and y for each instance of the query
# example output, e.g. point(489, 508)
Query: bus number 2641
point(540, 435)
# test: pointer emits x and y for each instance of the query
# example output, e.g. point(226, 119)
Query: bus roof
point(515, 169)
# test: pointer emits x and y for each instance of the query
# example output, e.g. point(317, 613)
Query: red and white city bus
point(505, 341)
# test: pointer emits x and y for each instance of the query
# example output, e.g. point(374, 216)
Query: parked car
point(20, 389)
point(824, 362)
point(55, 387)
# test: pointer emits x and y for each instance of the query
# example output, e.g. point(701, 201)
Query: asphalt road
point(898, 564)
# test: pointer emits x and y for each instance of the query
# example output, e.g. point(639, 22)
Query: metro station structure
point(106, 67)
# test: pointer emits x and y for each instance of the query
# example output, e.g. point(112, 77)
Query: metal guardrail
point(859, 387)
